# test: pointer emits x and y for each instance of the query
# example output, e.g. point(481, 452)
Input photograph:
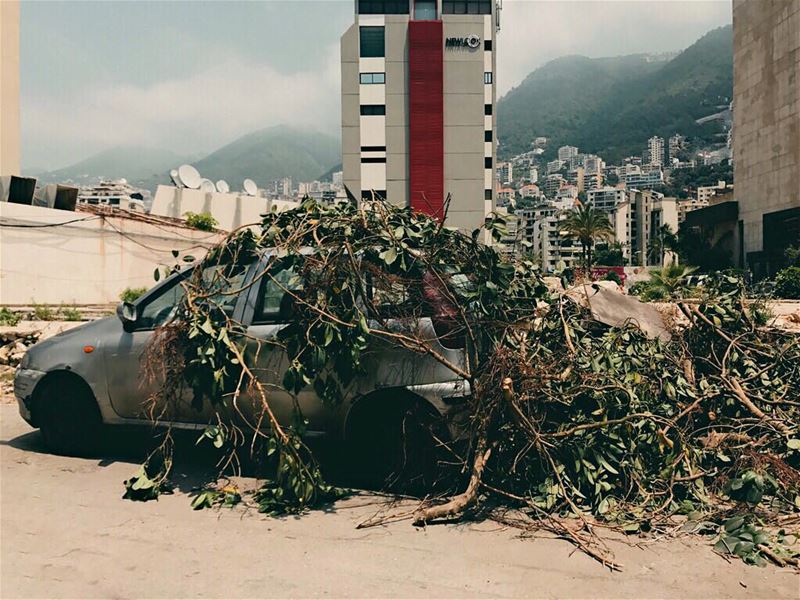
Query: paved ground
point(66, 533)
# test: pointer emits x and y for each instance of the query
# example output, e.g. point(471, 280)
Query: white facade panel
point(487, 61)
point(372, 94)
point(373, 176)
point(372, 20)
point(372, 65)
point(487, 122)
point(488, 148)
point(373, 131)
point(487, 94)
point(488, 179)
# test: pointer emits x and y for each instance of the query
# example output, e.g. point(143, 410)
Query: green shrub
point(612, 276)
point(202, 221)
point(130, 294)
point(8, 317)
point(787, 283)
point(70, 313)
point(42, 312)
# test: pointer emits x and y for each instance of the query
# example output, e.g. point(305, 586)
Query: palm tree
point(664, 240)
point(588, 225)
point(671, 280)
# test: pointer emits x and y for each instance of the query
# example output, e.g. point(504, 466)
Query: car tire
point(398, 448)
point(68, 417)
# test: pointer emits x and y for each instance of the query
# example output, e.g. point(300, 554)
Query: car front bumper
point(25, 381)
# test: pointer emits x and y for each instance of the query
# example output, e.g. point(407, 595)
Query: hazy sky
point(192, 76)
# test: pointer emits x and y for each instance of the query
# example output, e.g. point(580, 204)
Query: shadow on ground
point(195, 464)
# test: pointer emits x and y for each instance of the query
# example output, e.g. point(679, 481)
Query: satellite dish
point(189, 176)
point(223, 187)
point(173, 175)
point(250, 187)
point(207, 186)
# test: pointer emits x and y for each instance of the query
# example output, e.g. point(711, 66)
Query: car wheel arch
point(370, 404)
point(67, 378)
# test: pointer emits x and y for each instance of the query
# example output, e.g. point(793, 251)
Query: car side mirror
point(128, 314)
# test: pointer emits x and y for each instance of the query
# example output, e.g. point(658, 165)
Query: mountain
point(141, 166)
point(611, 106)
point(273, 153)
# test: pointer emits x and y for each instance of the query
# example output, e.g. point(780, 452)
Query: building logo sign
point(471, 41)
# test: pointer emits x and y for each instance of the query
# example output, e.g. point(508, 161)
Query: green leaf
point(389, 256)
point(156, 274)
point(793, 444)
point(733, 524)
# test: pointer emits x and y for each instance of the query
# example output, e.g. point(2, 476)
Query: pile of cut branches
point(573, 424)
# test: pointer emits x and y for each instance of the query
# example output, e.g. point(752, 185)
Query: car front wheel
point(68, 417)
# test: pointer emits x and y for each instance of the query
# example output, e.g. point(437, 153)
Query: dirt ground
point(66, 532)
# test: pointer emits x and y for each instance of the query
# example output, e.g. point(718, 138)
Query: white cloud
point(194, 114)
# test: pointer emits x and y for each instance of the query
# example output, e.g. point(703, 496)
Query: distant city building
point(607, 198)
point(505, 173)
point(553, 183)
point(565, 153)
point(534, 175)
point(554, 166)
point(575, 177)
point(706, 193)
point(676, 144)
point(655, 151)
point(418, 99)
point(688, 205)
point(337, 178)
point(649, 211)
point(635, 177)
point(530, 191)
point(505, 195)
point(540, 141)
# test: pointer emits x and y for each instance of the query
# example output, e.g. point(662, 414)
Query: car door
point(132, 390)
point(268, 311)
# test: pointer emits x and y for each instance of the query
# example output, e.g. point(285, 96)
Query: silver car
point(72, 384)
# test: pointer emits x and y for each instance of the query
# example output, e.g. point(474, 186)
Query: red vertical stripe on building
point(426, 116)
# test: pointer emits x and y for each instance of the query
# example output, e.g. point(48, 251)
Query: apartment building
point(418, 104)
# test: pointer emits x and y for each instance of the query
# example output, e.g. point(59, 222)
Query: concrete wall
point(9, 88)
point(48, 259)
point(766, 115)
point(230, 210)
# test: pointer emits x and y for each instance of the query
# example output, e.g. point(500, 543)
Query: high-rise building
point(655, 151)
point(567, 152)
point(9, 89)
point(418, 104)
point(505, 172)
point(766, 133)
point(676, 143)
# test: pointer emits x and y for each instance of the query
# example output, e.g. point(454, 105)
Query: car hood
point(87, 334)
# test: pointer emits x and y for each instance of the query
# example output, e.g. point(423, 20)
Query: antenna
point(223, 187)
point(189, 176)
point(250, 187)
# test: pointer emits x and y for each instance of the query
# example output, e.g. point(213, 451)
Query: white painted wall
point(230, 210)
point(51, 260)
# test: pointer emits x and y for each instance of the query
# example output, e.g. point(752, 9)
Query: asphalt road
point(65, 532)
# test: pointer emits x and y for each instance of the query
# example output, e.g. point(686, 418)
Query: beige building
point(9, 88)
point(766, 129)
point(418, 97)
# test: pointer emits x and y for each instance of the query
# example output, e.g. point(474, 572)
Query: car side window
point(224, 289)
point(159, 309)
point(274, 303)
